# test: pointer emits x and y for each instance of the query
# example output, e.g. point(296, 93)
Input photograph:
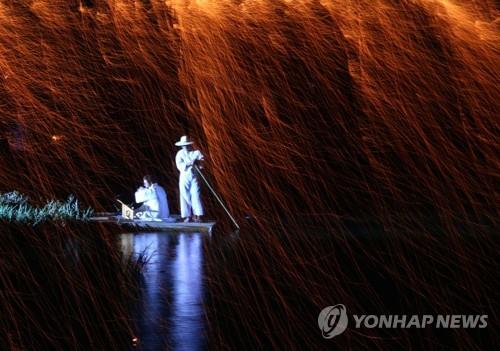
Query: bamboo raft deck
point(172, 224)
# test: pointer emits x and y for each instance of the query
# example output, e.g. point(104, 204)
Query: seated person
point(154, 200)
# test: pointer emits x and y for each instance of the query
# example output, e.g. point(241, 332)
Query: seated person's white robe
point(155, 203)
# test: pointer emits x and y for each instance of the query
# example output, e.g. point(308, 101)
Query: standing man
point(189, 187)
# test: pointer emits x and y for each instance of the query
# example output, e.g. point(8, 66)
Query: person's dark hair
point(150, 178)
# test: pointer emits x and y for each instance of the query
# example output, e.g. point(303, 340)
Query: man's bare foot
point(187, 220)
point(197, 219)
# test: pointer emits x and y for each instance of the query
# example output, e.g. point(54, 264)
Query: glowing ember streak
point(308, 112)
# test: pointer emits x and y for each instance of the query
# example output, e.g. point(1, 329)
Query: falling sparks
point(403, 92)
point(308, 111)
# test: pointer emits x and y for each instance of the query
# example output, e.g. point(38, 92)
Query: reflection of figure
point(154, 199)
point(189, 187)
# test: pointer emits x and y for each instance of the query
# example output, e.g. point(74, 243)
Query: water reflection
point(170, 315)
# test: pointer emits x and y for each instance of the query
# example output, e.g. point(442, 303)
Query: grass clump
point(16, 208)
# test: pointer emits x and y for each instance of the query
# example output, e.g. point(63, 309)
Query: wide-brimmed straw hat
point(183, 141)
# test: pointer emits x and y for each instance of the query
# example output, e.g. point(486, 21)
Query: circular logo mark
point(332, 321)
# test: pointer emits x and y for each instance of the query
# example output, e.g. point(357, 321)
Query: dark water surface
point(169, 314)
point(66, 288)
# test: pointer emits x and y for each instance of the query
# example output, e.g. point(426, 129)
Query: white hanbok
point(155, 203)
point(189, 187)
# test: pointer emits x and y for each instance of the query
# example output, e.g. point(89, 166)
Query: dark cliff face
point(328, 109)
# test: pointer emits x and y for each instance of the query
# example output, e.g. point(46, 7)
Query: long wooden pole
point(216, 196)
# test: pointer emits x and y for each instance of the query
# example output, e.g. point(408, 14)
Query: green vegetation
point(16, 208)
